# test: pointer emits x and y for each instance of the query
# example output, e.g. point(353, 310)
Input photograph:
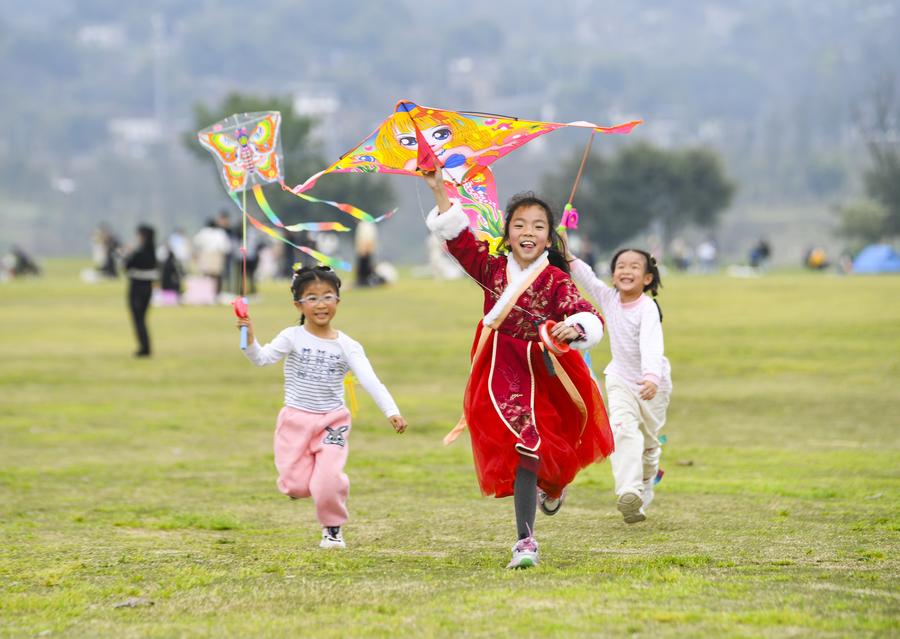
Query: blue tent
point(877, 258)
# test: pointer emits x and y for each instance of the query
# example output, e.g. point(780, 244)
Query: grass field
point(151, 484)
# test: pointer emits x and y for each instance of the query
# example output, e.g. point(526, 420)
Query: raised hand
point(435, 181)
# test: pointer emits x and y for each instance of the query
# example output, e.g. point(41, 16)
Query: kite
point(247, 150)
point(415, 139)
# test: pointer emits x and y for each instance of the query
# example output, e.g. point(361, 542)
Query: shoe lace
point(526, 544)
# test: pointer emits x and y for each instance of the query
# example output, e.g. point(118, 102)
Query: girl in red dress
point(535, 418)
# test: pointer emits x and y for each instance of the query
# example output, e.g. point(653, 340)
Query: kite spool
point(240, 310)
point(555, 347)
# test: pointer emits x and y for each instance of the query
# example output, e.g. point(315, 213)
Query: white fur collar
point(515, 275)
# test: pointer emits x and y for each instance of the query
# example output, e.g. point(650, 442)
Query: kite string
point(244, 244)
point(587, 152)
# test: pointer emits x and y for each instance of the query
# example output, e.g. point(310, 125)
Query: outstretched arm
point(448, 222)
point(274, 351)
point(364, 372)
point(435, 182)
point(584, 275)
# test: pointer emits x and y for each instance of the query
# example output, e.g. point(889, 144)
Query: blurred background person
point(706, 256)
point(105, 248)
point(17, 263)
point(815, 258)
point(171, 277)
point(366, 242)
point(141, 267)
point(211, 247)
point(760, 253)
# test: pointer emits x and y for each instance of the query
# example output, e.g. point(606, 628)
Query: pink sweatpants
point(310, 453)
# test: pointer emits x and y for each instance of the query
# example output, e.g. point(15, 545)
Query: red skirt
point(517, 409)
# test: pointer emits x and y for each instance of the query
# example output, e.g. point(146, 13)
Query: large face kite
point(415, 139)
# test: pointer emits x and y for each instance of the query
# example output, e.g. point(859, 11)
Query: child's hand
point(433, 179)
point(245, 321)
point(648, 390)
point(563, 333)
point(398, 423)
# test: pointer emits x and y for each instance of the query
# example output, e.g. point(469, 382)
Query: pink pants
point(310, 453)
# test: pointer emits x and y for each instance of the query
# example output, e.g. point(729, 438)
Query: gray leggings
point(525, 499)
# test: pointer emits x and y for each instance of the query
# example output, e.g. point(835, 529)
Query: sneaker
point(550, 506)
point(631, 507)
point(332, 538)
point(524, 553)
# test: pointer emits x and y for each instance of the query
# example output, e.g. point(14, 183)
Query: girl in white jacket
point(638, 379)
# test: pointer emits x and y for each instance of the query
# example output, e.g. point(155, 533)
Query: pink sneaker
point(524, 554)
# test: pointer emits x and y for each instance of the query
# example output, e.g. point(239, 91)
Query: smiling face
point(528, 233)
point(436, 136)
point(318, 303)
point(630, 274)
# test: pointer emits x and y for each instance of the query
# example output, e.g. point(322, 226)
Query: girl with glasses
point(312, 432)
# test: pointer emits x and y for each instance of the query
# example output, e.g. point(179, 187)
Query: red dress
point(522, 403)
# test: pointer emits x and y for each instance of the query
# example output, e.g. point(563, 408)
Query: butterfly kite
point(247, 150)
point(415, 139)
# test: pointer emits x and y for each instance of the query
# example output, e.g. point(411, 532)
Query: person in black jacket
point(141, 267)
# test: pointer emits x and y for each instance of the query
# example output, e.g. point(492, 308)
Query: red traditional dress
point(522, 402)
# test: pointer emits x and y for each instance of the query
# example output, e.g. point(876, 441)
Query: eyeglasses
point(328, 298)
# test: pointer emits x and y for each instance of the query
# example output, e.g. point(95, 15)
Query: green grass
point(152, 481)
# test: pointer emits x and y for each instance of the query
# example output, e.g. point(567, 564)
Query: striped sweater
point(314, 370)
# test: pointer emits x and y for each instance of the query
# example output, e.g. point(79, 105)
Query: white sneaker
point(631, 507)
point(524, 554)
point(332, 538)
point(550, 506)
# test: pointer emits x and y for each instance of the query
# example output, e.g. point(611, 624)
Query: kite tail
point(316, 255)
point(349, 209)
point(263, 204)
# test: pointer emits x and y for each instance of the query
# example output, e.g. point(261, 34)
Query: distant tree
point(621, 196)
point(862, 222)
point(879, 121)
point(302, 158)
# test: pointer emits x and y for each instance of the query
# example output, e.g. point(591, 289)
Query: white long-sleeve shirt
point(314, 370)
point(635, 332)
